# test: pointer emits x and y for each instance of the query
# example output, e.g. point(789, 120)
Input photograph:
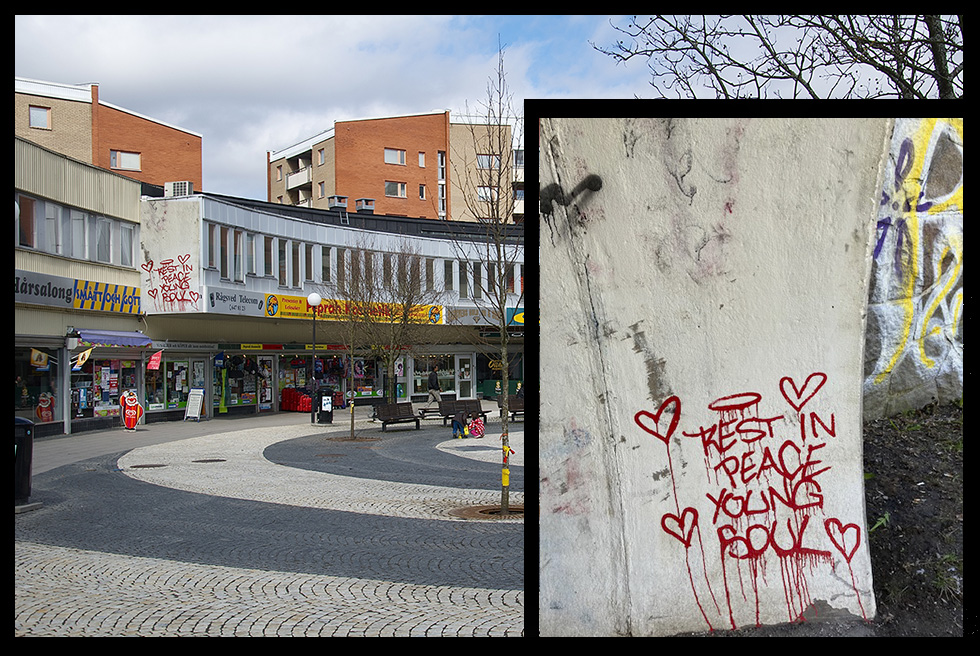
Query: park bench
point(515, 405)
point(396, 413)
point(447, 410)
point(471, 407)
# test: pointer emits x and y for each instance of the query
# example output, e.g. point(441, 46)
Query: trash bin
point(23, 455)
point(325, 408)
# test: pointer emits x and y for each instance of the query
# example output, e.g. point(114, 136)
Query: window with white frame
point(39, 117)
point(52, 228)
point(126, 233)
point(212, 243)
point(268, 252)
point(396, 189)
point(488, 162)
point(282, 263)
point(239, 256)
point(393, 156)
point(250, 253)
point(321, 157)
point(223, 254)
point(325, 263)
point(295, 266)
point(25, 221)
point(120, 159)
point(78, 242)
point(421, 160)
point(486, 194)
point(463, 279)
point(309, 262)
point(103, 239)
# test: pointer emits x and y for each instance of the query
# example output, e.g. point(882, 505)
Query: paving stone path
point(287, 530)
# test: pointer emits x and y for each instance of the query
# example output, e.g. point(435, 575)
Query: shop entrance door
point(265, 384)
point(464, 377)
point(199, 381)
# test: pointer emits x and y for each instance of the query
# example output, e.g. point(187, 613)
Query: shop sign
point(515, 316)
point(232, 301)
point(281, 306)
point(43, 289)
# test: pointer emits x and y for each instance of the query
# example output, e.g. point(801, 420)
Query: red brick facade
point(361, 170)
point(167, 154)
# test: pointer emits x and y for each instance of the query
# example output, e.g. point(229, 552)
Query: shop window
point(177, 383)
point(36, 394)
point(237, 383)
point(96, 388)
point(155, 390)
point(446, 373)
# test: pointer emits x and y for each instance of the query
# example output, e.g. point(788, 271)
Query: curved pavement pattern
point(288, 531)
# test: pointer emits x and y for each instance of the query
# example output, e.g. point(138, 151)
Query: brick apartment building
point(72, 120)
point(414, 166)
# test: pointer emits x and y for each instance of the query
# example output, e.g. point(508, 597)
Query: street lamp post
point(313, 300)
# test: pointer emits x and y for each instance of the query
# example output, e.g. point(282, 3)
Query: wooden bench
point(471, 407)
point(515, 405)
point(447, 410)
point(396, 413)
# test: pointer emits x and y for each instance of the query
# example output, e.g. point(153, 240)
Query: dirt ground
point(913, 467)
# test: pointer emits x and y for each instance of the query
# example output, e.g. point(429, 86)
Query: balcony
point(299, 178)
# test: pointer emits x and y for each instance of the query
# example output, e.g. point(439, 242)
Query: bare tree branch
point(852, 56)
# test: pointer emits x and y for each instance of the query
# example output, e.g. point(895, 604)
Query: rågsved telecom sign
point(56, 291)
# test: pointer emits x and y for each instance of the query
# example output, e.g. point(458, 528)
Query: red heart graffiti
point(152, 292)
point(838, 535)
point(676, 417)
point(800, 397)
point(183, 258)
point(194, 296)
point(684, 528)
point(148, 266)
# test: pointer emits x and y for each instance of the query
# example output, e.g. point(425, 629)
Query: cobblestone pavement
point(287, 529)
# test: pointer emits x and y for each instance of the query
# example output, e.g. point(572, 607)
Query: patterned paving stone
point(262, 538)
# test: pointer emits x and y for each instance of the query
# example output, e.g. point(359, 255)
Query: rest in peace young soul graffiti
point(764, 500)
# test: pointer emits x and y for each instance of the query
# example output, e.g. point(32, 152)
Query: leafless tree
point(486, 185)
point(382, 306)
point(760, 56)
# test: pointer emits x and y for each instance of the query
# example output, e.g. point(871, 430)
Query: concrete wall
point(914, 350)
point(170, 255)
point(700, 441)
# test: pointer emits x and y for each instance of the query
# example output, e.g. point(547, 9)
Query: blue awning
point(114, 338)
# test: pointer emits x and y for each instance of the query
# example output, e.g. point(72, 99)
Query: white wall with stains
point(701, 377)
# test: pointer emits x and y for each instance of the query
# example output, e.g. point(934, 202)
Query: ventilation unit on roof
point(337, 202)
point(364, 205)
point(182, 188)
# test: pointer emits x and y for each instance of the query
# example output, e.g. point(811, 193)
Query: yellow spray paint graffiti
point(917, 292)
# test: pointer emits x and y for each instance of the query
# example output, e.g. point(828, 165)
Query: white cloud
point(250, 84)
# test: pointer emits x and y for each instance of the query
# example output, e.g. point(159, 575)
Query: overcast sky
point(252, 84)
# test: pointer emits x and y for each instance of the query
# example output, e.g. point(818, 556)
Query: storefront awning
point(114, 338)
